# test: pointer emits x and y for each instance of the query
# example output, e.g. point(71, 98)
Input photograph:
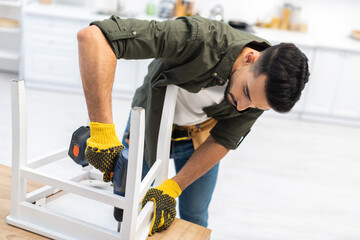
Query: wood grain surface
point(8, 232)
point(180, 229)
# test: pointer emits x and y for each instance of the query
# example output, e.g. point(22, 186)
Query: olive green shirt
point(191, 52)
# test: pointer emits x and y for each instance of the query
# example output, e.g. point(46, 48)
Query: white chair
point(83, 192)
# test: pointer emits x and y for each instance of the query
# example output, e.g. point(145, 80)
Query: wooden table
point(180, 229)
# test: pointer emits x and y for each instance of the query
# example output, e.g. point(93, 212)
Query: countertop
point(329, 41)
point(77, 12)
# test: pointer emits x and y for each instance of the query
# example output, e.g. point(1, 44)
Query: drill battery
point(78, 145)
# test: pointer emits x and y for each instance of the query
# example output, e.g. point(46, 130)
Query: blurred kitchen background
point(295, 177)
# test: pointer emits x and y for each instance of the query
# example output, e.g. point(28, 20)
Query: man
point(227, 78)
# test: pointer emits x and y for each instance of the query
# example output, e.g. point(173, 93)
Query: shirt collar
point(222, 71)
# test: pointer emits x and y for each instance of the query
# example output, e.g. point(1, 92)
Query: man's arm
point(202, 160)
point(97, 68)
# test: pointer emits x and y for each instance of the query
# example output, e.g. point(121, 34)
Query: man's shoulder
point(210, 24)
point(223, 31)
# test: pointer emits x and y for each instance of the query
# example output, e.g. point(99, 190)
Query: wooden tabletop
point(8, 231)
point(179, 229)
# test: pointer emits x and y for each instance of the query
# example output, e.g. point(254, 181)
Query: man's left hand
point(163, 197)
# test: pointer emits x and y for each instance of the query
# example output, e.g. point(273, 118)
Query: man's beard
point(227, 94)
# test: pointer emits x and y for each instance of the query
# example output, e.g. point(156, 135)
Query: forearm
point(97, 67)
point(202, 160)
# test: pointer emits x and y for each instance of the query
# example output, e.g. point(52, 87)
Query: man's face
point(245, 91)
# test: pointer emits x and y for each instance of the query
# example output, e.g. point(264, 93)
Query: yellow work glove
point(103, 148)
point(163, 197)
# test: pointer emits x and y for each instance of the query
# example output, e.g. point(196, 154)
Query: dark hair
point(287, 71)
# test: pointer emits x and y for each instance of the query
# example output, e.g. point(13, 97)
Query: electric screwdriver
point(118, 176)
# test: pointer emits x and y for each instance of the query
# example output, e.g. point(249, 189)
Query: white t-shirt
point(189, 106)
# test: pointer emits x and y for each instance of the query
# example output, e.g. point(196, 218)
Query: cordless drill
point(77, 153)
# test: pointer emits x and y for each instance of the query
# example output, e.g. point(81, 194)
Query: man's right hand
point(103, 148)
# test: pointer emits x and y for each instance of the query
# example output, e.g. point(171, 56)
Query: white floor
point(288, 180)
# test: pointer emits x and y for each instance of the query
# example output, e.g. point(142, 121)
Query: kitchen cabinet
point(51, 54)
point(50, 51)
point(347, 100)
point(10, 36)
point(323, 83)
point(334, 86)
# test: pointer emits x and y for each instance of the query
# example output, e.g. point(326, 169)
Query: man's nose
point(242, 105)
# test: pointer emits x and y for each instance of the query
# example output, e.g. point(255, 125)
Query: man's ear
point(249, 58)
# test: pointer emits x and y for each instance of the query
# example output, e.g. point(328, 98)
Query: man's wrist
point(171, 188)
point(103, 135)
point(180, 182)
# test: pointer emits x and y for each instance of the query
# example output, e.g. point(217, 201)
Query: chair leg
point(19, 144)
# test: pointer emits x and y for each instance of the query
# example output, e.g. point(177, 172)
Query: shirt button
point(214, 74)
point(202, 88)
point(134, 33)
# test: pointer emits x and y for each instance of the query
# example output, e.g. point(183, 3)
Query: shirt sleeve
point(140, 39)
point(231, 132)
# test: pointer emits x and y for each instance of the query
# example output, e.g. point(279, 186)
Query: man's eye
point(246, 92)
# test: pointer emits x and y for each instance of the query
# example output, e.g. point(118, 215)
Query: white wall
point(328, 17)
